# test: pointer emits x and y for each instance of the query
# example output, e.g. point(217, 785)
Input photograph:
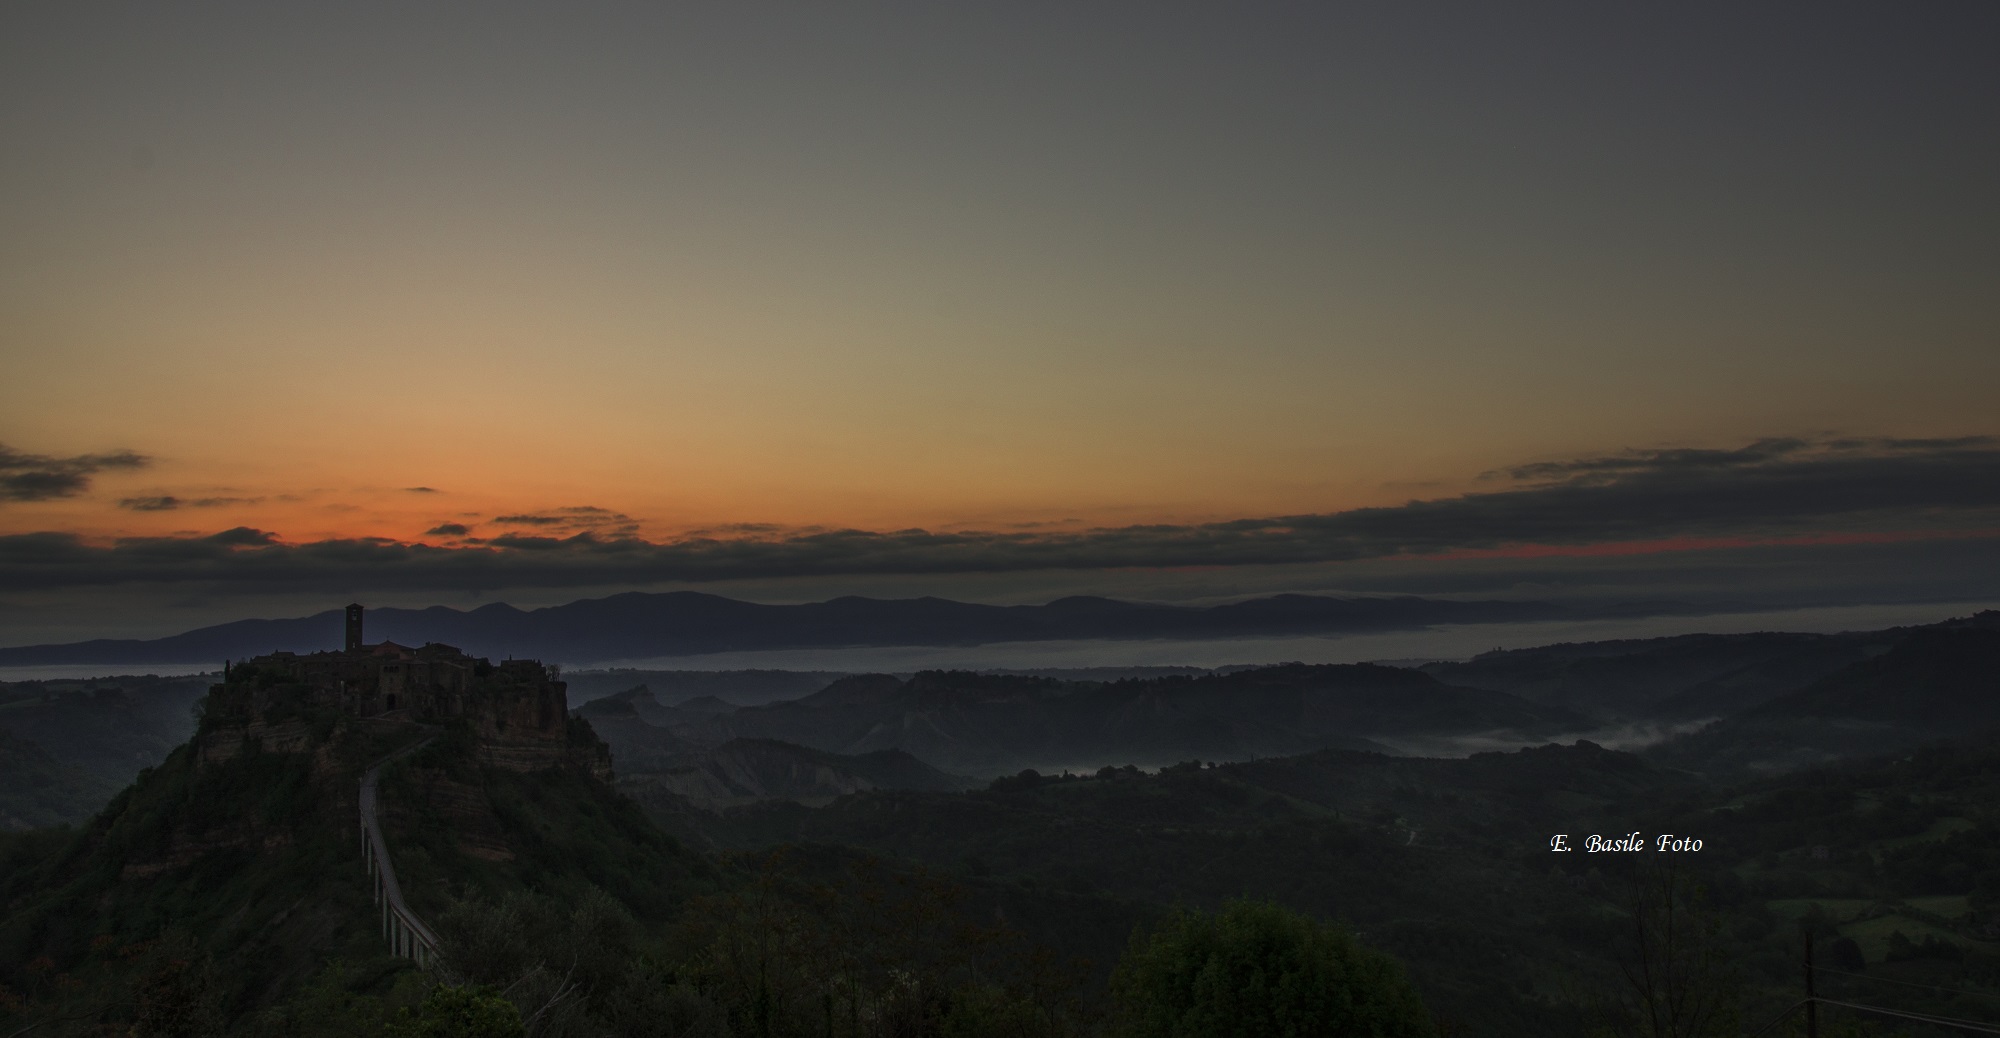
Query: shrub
point(468, 1012)
point(1256, 969)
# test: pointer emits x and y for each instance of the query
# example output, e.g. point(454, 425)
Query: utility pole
point(1812, 1001)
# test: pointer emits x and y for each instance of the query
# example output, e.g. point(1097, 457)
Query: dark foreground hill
point(638, 625)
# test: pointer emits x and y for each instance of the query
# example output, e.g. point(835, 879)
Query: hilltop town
point(517, 710)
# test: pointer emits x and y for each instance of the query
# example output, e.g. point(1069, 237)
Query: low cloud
point(1768, 489)
point(448, 530)
point(1763, 453)
point(575, 519)
point(245, 537)
point(1635, 736)
point(168, 502)
point(41, 477)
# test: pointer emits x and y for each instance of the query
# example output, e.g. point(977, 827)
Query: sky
point(445, 302)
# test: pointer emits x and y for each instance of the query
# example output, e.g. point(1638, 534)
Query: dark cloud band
point(40, 477)
point(1771, 488)
point(168, 502)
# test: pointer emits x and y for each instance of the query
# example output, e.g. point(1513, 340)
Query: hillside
point(232, 855)
point(749, 770)
point(640, 731)
point(996, 724)
point(67, 746)
point(37, 791)
point(1446, 863)
point(1940, 682)
point(1435, 861)
point(1933, 684)
point(1691, 676)
point(733, 687)
point(237, 855)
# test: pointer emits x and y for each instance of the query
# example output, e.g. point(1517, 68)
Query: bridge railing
point(407, 935)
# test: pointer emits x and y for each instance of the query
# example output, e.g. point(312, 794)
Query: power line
point(1779, 1019)
point(1910, 983)
point(1974, 1026)
point(1812, 1003)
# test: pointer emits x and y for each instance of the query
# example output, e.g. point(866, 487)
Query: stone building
point(421, 684)
point(518, 709)
point(430, 683)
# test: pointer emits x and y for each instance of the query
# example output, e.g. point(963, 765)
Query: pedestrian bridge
point(407, 935)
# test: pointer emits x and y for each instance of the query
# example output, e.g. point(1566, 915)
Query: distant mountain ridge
point(637, 625)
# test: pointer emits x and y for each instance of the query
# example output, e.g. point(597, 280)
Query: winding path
point(407, 935)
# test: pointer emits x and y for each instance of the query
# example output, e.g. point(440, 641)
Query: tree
point(1256, 969)
point(180, 995)
point(1680, 981)
point(468, 1012)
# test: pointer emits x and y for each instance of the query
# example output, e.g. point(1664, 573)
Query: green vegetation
point(461, 1012)
point(1256, 970)
point(228, 858)
point(68, 747)
point(37, 791)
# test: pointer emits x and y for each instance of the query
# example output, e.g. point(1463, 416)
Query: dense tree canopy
point(467, 1012)
point(1256, 969)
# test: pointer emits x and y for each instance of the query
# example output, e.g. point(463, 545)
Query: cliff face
point(231, 741)
point(529, 755)
point(528, 729)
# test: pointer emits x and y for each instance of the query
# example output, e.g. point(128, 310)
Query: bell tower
point(354, 627)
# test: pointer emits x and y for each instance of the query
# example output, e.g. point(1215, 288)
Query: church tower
point(354, 627)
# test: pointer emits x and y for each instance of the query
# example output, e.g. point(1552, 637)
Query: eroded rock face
point(460, 809)
point(225, 743)
point(524, 713)
point(539, 755)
